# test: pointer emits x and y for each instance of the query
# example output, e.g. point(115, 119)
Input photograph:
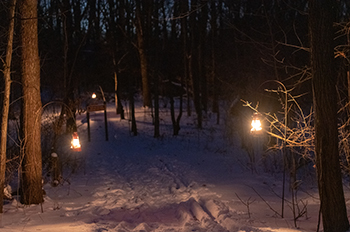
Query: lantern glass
point(256, 124)
point(75, 144)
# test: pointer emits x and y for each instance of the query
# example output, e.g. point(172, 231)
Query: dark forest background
point(204, 52)
point(215, 49)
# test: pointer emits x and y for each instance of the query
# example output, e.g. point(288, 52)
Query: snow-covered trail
point(144, 185)
point(139, 183)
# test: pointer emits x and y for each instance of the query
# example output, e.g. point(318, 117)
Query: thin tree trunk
point(31, 181)
point(69, 107)
point(92, 34)
point(214, 79)
point(147, 102)
point(116, 99)
point(118, 103)
point(175, 121)
point(133, 119)
point(273, 43)
point(330, 187)
point(202, 77)
point(172, 93)
point(194, 66)
point(186, 62)
point(156, 107)
point(6, 102)
point(155, 76)
point(347, 147)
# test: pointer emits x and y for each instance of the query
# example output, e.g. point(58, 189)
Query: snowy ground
point(192, 182)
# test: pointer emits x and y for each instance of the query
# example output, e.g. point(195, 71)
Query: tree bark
point(186, 62)
point(133, 119)
point(118, 103)
point(333, 208)
point(147, 102)
point(214, 79)
point(156, 55)
point(69, 106)
point(194, 65)
point(31, 181)
point(203, 85)
point(156, 107)
point(6, 102)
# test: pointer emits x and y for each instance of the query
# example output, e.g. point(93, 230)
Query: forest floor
point(195, 181)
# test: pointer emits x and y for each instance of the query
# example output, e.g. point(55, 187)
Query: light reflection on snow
point(139, 183)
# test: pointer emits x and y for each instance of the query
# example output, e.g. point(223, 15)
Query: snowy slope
point(192, 182)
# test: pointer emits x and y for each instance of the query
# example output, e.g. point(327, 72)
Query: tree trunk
point(186, 62)
point(6, 102)
point(69, 107)
point(92, 33)
point(118, 103)
point(132, 106)
point(116, 98)
point(175, 121)
point(31, 181)
point(147, 102)
point(194, 65)
point(176, 132)
point(156, 65)
point(203, 18)
point(156, 107)
point(347, 146)
point(133, 119)
point(115, 43)
point(214, 79)
point(273, 44)
point(333, 208)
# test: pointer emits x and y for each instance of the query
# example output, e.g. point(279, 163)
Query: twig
point(247, 203)
point(266, 202)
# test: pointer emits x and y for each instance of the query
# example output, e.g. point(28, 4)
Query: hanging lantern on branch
point(75, 143)
point(256, 124)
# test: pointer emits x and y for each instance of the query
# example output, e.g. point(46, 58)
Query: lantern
point(93, 96)
point(256, 124)
point(75, 144)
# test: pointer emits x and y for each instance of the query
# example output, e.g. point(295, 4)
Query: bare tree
point(213, 77)
point(321, 18)
point(186, 62)
point(194, 63)
point(6, 101)
point(31, 182)
point(140, 31)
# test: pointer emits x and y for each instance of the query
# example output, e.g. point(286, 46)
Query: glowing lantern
point(256, 124)
point(93, 96)
point(75, 144)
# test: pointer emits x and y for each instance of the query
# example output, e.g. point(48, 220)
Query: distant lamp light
point(256, 124)
point(75, 144)
point(93, 96)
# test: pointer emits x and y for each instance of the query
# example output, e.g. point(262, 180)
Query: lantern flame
point(93, 96)
point(256, 125)
point(75, 144)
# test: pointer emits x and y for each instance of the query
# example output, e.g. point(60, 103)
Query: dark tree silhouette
point(6, 100)
point(31, 182)
point(333, 209)
point(141, 47)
